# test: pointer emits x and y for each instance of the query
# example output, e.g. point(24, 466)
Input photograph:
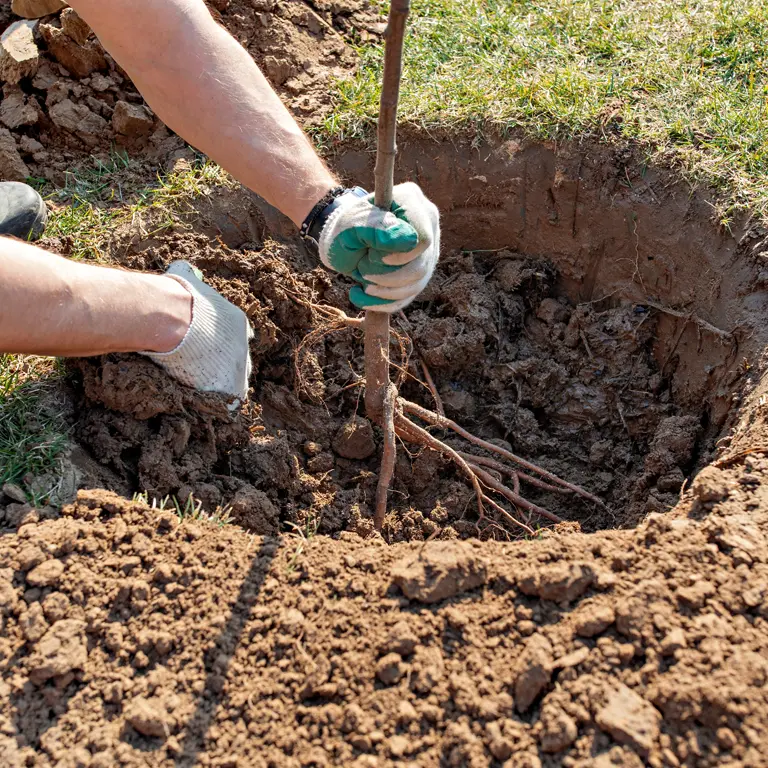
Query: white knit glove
point(392, 254)
point(213, 356)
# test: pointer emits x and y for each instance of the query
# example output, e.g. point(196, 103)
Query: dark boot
point(22, 211)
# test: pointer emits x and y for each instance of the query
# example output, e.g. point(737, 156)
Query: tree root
point(394, 421)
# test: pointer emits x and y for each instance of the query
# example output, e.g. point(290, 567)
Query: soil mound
point(66, 101)
point(130, 638)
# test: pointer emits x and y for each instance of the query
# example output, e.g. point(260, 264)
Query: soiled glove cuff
point(213, 355)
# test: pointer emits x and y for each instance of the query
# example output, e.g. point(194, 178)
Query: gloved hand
point(391, 254)
point(214, 355)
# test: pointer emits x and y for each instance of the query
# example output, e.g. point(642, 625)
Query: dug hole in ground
point(588, 315)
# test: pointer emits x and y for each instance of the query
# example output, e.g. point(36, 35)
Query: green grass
point(32, 432)
point(191, 509)
point(91, 206)
point(687, 80)
point(96, 202)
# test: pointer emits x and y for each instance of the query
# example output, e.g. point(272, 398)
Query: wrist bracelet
point(319, 206)
point(315, 221)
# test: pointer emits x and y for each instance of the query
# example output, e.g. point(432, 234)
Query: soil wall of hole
point(569, 269)
point(617, 230)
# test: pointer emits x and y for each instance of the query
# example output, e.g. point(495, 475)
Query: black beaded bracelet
point(319, 215)
point(320, 206)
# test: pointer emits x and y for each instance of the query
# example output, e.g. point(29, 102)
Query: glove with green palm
point(391, 254)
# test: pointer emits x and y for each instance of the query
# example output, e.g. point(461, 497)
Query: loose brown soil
point(586, 314)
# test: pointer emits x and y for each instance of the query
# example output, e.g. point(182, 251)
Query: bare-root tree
point(399, 418)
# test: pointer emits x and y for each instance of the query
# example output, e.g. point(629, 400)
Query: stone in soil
point(19, 56)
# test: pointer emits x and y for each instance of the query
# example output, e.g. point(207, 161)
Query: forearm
point(54, 306)
point(208, 89)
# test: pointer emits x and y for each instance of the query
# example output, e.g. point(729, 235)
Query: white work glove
point(391, 254)
point(213, 356)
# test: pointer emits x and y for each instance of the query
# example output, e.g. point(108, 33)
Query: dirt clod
point(630, 720)
point(390, 668)
point(354, 440)
point(61, 650)
point(560, 583)
point(592, 620)
point(147, 716)
point(535, 670)
point(132, 119)
point(46, 574)
point(19, 56)
point(440, 571)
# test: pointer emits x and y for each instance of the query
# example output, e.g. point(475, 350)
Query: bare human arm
point(207, 88)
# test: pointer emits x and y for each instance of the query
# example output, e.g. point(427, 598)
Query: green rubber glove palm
point(391, 254)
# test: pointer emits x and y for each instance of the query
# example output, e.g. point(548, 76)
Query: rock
point(132, 120)
point(16, 111)
point(46, 574)
point(62, 650)
point(560, 583)
point(148, 717)
point(79, 120)
point(400, 639)
point(390, 668)
point(558, 733)
point(630, 720)
point(34, 9)
point(74, 27)
point(710, 485)
point(252, 509)
point(19, 56)
point(355, 439)
point(534, 671)
point(79, 60)
point(593, 620)
point(13, 491)
point(441, 569)
point(674, 641)
point(16, 515)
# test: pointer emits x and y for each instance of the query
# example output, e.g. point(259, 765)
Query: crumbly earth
point(295, 637)
point(74, 104)
point(132, 639)
point(572, 388)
